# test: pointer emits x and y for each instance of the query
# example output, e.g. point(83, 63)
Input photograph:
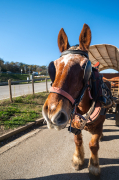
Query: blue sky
point(29, 28)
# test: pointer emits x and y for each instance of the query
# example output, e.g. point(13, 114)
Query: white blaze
point(66, 58)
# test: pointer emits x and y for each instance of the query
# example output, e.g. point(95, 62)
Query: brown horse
point(68, 74)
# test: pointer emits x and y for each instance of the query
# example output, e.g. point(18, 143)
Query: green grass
point(14, 77)
point(4, 77)
point(24, 109)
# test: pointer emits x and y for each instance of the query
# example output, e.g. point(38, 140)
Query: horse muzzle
point(60, 118)
point(57, 120)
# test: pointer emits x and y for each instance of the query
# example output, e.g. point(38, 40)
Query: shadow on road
point(82, 176)
point(107, 173)
point(68, 176)
point(110, 116)
point(110, 137)
point(110, 130)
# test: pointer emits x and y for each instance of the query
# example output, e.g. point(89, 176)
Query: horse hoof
point(75, 166)
point(94, 170)
point(77, 162)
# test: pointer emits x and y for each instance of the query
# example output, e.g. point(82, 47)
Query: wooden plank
point(114, 80)
point(101, 56)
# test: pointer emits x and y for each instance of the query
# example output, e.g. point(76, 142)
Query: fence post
point(46, 85)
point(33, 86)
point(10, 90)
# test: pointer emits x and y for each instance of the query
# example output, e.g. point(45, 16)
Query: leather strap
point(63, 93)
point(83, 53)
point(74, 130)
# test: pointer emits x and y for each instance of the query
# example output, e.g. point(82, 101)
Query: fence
point(9, 83)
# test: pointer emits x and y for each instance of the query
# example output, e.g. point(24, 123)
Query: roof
point(107, 55)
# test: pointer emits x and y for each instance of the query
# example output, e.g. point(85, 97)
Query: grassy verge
point(16, 77)
point(24, 109)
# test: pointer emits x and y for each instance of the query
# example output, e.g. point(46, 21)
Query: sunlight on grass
point(24, 109)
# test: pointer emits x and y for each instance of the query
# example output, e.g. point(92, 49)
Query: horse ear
point(85, 38)
point(62, 40)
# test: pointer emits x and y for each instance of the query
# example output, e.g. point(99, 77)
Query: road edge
point(20, 129)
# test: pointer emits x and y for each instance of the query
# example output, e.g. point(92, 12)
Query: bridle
point(87, 74)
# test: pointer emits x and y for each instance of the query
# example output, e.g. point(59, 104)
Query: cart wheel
point(117, 115)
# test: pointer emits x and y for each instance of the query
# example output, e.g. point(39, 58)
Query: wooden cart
point(108, 57)
point(115, 93)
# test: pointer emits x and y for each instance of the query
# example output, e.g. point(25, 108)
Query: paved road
point(22, 89)
point(47, 156)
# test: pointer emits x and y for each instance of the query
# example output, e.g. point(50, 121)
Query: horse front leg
point(78, 156)
point(94, 161)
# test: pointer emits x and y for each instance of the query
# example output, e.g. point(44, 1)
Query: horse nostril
point(62, 118)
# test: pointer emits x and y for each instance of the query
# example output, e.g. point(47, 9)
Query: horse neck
point(84, 105)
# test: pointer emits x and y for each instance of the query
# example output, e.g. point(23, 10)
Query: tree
point(1, 61)
point(16, 67)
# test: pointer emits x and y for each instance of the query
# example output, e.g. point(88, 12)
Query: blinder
point(52, 71)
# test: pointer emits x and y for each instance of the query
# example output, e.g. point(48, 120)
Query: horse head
point(68, 75)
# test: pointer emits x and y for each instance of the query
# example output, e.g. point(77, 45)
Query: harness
point(88, 74)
